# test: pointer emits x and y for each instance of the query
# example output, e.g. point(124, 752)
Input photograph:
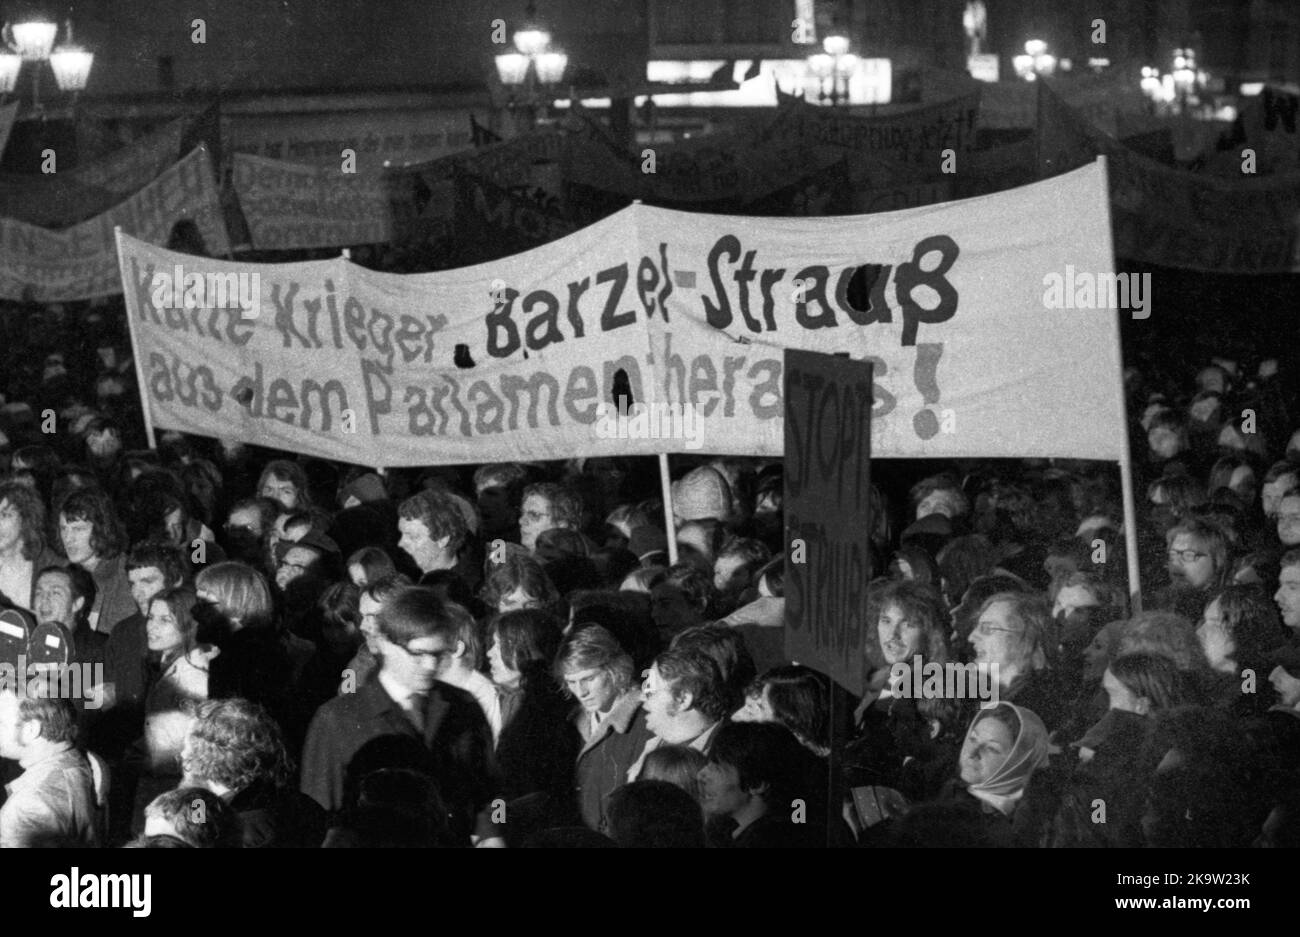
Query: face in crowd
point(720, 792)
point(11, 528)
point(1287, 687)
point(163, 633)
point(661, 710)
point(1215, 638)
point(297, 561)
point(1287, 596)
point(1190, 563)
point(593, 688)
point(419, 545)
point(418, 664)
point(986, 749)
point(757, 708)
point(146, 582)
point(282, 490)
point(1288, 520)
point(996, 637)
point(54, 601)
point(1270, 495)
point(76, 537)
point(535, 518)
point(900, 638)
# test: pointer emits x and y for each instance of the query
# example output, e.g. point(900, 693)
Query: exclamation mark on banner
point(928, 354)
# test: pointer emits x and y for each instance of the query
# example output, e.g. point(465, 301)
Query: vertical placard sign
point(827, 513)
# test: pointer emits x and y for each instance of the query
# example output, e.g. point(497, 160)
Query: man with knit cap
point(700, 495)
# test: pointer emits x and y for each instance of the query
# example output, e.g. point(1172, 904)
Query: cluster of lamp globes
point(1181, 82)
point(532, 48)
point(33, 41)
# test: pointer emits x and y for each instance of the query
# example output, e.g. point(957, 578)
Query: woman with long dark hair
point(538, 742)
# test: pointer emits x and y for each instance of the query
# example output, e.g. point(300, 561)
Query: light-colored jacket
point(52, 803)
point(166, 722)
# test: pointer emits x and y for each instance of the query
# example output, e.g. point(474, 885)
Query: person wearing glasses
point(417, 637)
point(547, 506)
point(1198, 565)
point(1015, 636)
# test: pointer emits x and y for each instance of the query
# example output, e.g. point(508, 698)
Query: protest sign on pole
point(828, 522)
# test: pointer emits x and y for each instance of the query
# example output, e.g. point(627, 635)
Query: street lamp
point(33, 41)
point(1178, 88)
point(1036, 61)
point(534, 65)
point(833, 67)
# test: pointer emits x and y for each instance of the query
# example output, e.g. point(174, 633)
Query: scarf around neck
point(1006, 786)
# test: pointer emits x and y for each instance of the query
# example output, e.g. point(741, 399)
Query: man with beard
point(1198, 566)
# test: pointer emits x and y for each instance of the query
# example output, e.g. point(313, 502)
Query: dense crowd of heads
point(286, 651)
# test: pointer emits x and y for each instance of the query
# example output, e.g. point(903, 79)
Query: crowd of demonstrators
point(291, 652)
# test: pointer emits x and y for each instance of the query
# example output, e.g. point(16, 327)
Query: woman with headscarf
point(1000, 779)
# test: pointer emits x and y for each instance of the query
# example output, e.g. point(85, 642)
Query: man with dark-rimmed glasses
point(417, 637)
point(1198, 565)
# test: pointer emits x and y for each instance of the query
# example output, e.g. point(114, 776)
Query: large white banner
point(523, 358)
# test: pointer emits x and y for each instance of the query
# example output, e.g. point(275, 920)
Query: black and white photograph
point(650, 424)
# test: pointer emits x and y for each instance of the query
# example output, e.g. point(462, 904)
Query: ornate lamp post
point(33, 41)
point(834, 67)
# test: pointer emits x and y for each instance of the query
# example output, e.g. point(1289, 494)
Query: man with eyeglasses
point(417, 637)
point(547, 506)
point(1197, 565)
